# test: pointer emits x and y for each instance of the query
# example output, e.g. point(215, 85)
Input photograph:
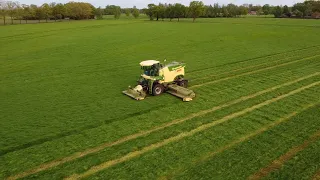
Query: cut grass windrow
point(240, 140)
point(261, 57)
point(180, 136)
point(251, 72)
point(277, 164)
point(235, 70)
point(239, 69)
point(144, 133)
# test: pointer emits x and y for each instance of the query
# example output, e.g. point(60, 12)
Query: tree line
point(306, 9)
point(57, 11)
point(196, 9)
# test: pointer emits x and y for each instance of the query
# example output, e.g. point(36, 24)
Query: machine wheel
point(183, 83)
point(157, 89)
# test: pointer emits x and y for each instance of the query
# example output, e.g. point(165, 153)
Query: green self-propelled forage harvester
point(158, 78)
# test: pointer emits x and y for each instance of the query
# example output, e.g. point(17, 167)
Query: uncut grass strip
point(240, 140)
point(252, 72)
point(75, 156)
point(252, 59)
point(316, 176)
point(134, 154)
point(278, 163)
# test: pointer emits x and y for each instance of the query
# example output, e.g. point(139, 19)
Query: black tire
point(157, 89)
point(183, 83)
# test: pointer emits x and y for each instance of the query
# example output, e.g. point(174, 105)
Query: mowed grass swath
point(63, 114)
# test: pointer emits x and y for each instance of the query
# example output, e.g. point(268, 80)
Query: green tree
point(232, 9)
point(179, 10)
point(308, 10)
point(33, 11)
point(99, 13)
point(11, 9)
point(19, 12)
point(186, 13)
point(135, 12)
point(216, 10)
point(117, 12)
point(79, 10)
point(266, 9)
point(242, 10)
point(209, 11)
point(26, 12)
point(151, 11)
point(53, 10)
point(109, 10)
point(298, 13)
point(287, 11)
point(224, 11)
point(39, 13)
point(3, 11)
point(170, 11)
point(47, 11)
point(59, 11)
point(196, 9)
point(277, 11)
point(161, 11)
point(304, 8)
point(260, 12)
point(127, 12)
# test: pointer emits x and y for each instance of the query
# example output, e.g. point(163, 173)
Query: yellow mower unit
point(158, 78)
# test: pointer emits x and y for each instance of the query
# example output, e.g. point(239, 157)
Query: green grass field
point(256, 114)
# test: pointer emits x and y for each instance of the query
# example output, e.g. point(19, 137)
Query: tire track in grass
point(240, 140)
point(316, 176)
point(182, 135)
point(252, 72)
point(96, 149)
point(277, 164)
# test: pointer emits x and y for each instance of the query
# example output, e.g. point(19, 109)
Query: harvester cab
point(157, 78)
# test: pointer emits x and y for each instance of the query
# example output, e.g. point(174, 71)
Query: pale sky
point(144, 3)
